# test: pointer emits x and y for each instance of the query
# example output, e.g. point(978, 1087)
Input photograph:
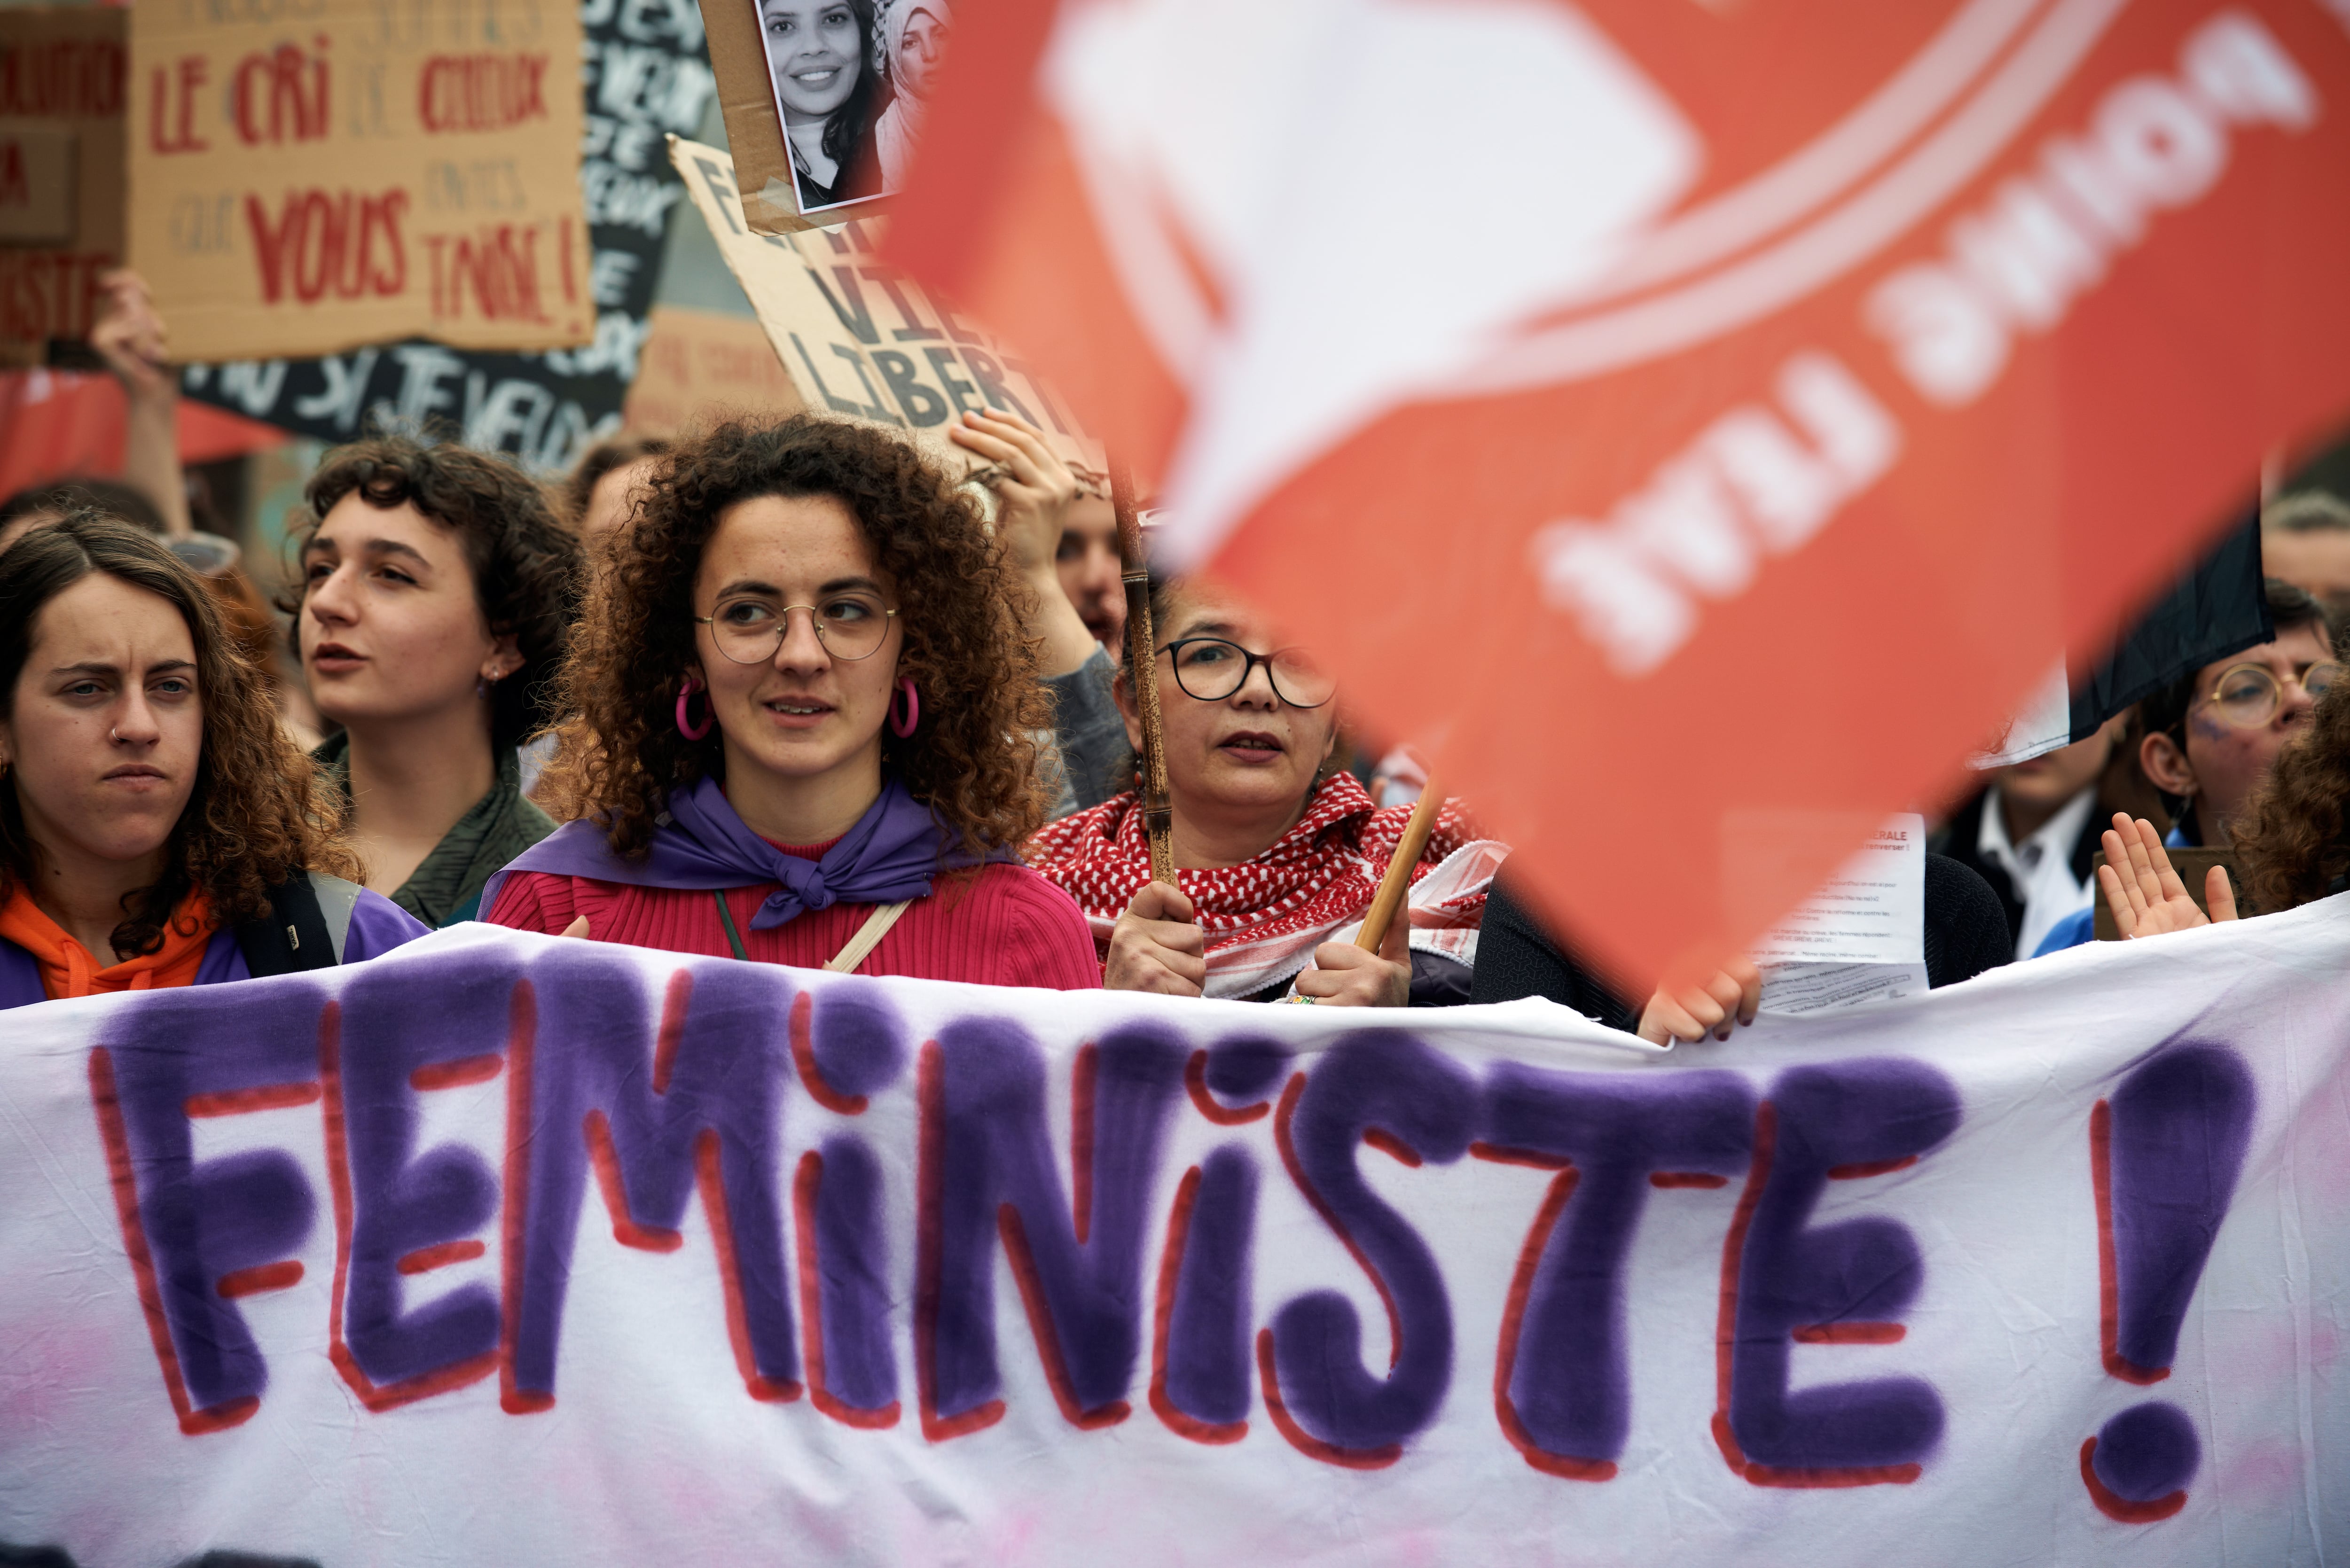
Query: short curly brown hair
point(258, 814)
point(972, 759)
point(526, 563)
point(2291, 839)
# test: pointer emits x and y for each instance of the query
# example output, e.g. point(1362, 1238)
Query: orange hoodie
point(68, 969)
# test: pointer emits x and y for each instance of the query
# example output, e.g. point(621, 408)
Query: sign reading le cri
point(316, 175)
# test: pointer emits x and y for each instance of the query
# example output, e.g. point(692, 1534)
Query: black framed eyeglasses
point(751, 631)
point(1211, 668)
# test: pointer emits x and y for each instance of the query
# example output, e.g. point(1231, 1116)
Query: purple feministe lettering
point(404, 1201)
point(201, 1223)
point(988, 1170)
point(1570, 1387)
point(1322, 1396)
point(1849, 1282)
point(701, 1107)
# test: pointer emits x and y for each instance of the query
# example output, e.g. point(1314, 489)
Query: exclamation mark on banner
point(2163, 1155)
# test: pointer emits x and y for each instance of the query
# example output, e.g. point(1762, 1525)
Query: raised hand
point(2147, 896)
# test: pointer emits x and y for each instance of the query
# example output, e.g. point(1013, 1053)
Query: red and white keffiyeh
point(1264, 917)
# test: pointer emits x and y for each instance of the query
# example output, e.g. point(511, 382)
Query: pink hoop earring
point(685, 726)
point(903, 727)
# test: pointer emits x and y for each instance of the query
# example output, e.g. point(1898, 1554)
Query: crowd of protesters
point(790, 691)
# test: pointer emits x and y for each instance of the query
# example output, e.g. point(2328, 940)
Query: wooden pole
point(1397, 883)
point(1141, 642)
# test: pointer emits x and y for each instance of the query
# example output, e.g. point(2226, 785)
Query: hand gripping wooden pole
point(1397, 883)
point(1141, 642)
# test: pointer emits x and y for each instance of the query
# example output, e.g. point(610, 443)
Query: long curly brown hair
point(2291, 838)
point(972, 758)
point(257, 815)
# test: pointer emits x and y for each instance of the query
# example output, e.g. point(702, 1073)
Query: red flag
point(1694, 423)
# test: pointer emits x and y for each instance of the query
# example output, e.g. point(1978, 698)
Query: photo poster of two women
point(851, 80)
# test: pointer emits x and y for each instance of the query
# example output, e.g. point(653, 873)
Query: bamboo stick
point(1158, 815)
point(1397, 883)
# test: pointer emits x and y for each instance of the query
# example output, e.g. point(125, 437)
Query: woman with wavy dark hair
point(432, 615)
point(157, 829)
point(820, 58)
point(804, 708)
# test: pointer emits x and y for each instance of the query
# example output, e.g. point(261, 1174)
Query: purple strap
point(892, 853)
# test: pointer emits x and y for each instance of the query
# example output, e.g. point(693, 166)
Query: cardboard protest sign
point(309, 182)
point(857, 337)
point(1790, 384)
point(505, 1248)
point(697, 365)
point(643, 76)
point(824, 102)
point(61, 170)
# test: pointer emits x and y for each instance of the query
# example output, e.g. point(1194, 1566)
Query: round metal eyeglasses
point(2249, 695)
point(1211, 669)
point(751, 630)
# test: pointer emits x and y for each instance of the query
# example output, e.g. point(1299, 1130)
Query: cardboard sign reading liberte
point(336, 173)
point(860, 339)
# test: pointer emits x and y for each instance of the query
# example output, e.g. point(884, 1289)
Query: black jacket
point(1958, 837)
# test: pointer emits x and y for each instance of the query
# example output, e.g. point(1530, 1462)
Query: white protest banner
point(510, 1250)
point(310, 179)
point(861, 338)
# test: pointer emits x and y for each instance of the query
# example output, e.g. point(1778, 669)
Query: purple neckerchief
point(891, 853)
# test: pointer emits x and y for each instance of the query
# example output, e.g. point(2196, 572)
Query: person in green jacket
point(436, 592)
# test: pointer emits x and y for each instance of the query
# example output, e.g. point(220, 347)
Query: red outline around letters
point(1733, 1251)
point(263, 1278)
point(239, 1102)
point(455, 1075)
point(805, 1184)
point(1281, 1138)
point(674, 999)
point(1506, 1154)
point(1669, 1180)
point(711, 1176)
point(1040, 1324)
point(125, 1181)
point(2109, 1295)
point(1505, 1361)
point(1170, 1270)
point(803, 1058)
point(1394, 1147)
point(389, 1396)
point(596, 1128)
point(929, 1241)
point(1305, 1442)
point(1195, 1083)
point(2115, 1506)
point(514, 1400)
point(1081, 1139)
point(1869, 1167)
point(440, 1255)
point(1850, 1333)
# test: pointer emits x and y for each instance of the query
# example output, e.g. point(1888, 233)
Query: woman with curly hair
point(1278, 851)
point(156, 826)
point(432, 615)
point(804, 708)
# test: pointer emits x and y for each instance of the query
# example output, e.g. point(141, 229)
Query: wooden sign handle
point(1397, 883)
point(1158, 815)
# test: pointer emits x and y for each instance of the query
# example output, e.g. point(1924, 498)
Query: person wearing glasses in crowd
point(157, 826)
point(1278, 849)
point(434, 602)
point(804, 710)
point(2211, 738)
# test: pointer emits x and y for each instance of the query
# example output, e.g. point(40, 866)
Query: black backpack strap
point(293, 936)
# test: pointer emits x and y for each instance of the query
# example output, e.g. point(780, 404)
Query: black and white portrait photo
point(852, 80)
